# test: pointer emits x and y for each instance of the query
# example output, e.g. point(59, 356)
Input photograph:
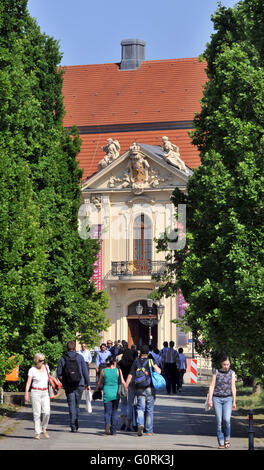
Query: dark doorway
point(138, 333)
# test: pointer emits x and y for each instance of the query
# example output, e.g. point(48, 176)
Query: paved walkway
point(180, 423)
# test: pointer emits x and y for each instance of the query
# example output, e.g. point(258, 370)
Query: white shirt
point(86, 355)
point(39, 379)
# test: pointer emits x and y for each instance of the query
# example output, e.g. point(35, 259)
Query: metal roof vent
point(133, 54)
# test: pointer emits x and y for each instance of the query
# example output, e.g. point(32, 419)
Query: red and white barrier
point(192, 370)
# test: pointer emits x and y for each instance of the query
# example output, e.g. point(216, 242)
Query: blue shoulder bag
point(158, 380)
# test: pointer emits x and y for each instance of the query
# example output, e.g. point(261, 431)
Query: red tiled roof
point(157, 92)
point(160, 90)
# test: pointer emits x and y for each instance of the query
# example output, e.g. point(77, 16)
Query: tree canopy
point(221, 271)
point(46, 268)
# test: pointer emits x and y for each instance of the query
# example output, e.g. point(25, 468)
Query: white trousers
point(40, 404)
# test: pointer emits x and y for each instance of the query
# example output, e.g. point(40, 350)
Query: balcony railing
point(139, 268)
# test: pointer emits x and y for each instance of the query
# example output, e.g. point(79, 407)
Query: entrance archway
point(138, 333)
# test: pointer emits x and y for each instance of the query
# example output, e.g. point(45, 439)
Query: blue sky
point(90, 31)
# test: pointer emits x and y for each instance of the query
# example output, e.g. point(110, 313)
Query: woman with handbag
point(110, 378)
point(38, 377)
point(222, 395)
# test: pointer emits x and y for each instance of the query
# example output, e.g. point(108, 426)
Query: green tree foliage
point(46, 267)
point(221, 269)
point(22, 246)
point(93, 323)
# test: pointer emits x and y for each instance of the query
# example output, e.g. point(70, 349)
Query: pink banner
point(182, 305)
point(98, 265)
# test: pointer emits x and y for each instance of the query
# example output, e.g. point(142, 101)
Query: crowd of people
point(115, 364)
point(123, 374)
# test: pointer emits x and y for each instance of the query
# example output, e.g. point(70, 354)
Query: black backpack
point(142, 378)
point(72, 369)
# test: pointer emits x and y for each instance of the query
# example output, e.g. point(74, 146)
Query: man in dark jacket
point(73, 389)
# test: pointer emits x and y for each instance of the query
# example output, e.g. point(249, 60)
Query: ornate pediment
point(140, 168)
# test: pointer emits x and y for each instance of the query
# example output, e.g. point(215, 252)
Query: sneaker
point(37, 436)
point(140, 430)
point(45, 434)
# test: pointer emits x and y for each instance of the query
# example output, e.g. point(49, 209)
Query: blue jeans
point(130, 402)
point(74, 399)
point(111, 414)
point(145, 409)
point(223, 411)
point(123, 406)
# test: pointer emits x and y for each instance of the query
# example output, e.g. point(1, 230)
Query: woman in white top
point(38, 377)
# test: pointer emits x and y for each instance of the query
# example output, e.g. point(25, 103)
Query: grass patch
point(247, 400)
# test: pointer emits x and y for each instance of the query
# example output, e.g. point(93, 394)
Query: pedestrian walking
point(165, 347)
point(156, 355)
point(72, 371)
point(117, 349)
point(145, 392)
point(222, 396)
point(170, 358)
point(38, 377)
point(109, 377)
point(86, 354)
point(109, 344)
point(162, 353)
point(134, 350)
point(182, 366)
point(101, 359)
point(125, 365)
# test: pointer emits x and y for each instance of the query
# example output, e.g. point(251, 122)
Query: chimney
point(133, 54)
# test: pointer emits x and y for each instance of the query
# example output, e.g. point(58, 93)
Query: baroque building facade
point(134, 119)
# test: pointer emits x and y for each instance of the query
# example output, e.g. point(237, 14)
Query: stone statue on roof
point(112, 150)
point(172, 154)
point(139, 166)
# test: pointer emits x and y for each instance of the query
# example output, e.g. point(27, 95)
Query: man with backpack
point(145, 392)
point(73, 373)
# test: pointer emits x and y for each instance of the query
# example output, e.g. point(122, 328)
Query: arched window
point(142, 237)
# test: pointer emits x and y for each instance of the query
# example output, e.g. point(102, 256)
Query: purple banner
point(182, 305)
point(98, 265)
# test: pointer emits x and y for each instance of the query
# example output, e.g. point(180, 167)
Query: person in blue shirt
point(101, 358)
point(116, 349)
point(73, 391)
point(182, 366)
